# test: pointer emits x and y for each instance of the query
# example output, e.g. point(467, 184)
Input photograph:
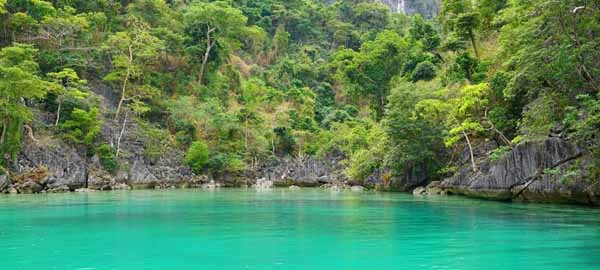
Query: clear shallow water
point(281, 229)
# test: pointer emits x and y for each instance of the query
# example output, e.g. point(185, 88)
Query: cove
point(283, 229)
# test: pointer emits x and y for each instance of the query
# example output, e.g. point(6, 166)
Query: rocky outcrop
point(29, 187)
point(413, 176)
point(263, 184)
point(357, 189)
point(548, 171)
point(303, 171)
point(427, 8)
point(312, 172)
point(434, 188)
point(140, 175)
point(4, 183)
point(65, 166)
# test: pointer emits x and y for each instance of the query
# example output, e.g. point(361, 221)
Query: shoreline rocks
point(434, 188)
point(520, 175)
point(263, 184)
point(357, 189)
point(211, 185)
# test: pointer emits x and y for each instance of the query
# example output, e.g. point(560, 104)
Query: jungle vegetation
point(240, 82)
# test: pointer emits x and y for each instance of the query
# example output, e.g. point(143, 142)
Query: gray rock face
point(357, 189)
point(520, 175)
point(29, 187)
point(427, 8)
point(60, 189)
point(139, 175)
point(4, 183)
point(69, 167)
point(263, 184)
point(313, 172)
point(304, 171)
point(65, 166)
point(434, 188)
point(420, 191)
point(413, 176)
point(165, 170)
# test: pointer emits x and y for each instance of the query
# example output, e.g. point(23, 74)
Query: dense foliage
point(240, 82)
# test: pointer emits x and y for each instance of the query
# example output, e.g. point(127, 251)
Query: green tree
point(464, 118)
point(425, 32)
point(19, 81)
point(64, 35)
point(83, 126)
point(2, 3)
point(460, 17)
point(364, 69)
point(66, 86)
point(212, 25)
point(585, 123)
point(425, 71)
point(197, 156)
point(132, 51)
point(414, 128)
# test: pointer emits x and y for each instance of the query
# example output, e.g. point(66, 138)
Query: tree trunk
point(4, 129)
point(500, 134)
point(58, 114)
point(121, 135)
point(472, 36)
point(5, 171)
point(30, 134)
point(470, 150)
point(203, 66)
point(273, 140)
point(246, 135)
point(380, 106)
point(209, 45)
point(502, 137)
point(125, 81)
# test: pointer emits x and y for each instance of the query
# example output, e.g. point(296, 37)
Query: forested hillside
point(238, 84)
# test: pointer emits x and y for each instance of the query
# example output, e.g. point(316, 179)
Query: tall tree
point(133, 51)
point(387, 52)
point(212, 26)
point(66, 85)
point(460, 17)
point(19, 82)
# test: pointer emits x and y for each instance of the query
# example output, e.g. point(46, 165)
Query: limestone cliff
point(546, 171)
point(427, 8)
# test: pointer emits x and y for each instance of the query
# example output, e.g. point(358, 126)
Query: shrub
point(107, 157)
point(223, 163)
point(540, 117)
point(424, 71)
point(197, 156)
point(83, 126)
point(156, 140)
point(499, 152)
point(362, 164)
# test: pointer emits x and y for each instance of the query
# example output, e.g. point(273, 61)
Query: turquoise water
point(281, 229)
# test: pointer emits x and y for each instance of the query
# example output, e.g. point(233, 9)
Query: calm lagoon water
point(281, 229)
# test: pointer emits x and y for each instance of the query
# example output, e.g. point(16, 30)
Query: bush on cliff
point(107, 156)
point(197, 156)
